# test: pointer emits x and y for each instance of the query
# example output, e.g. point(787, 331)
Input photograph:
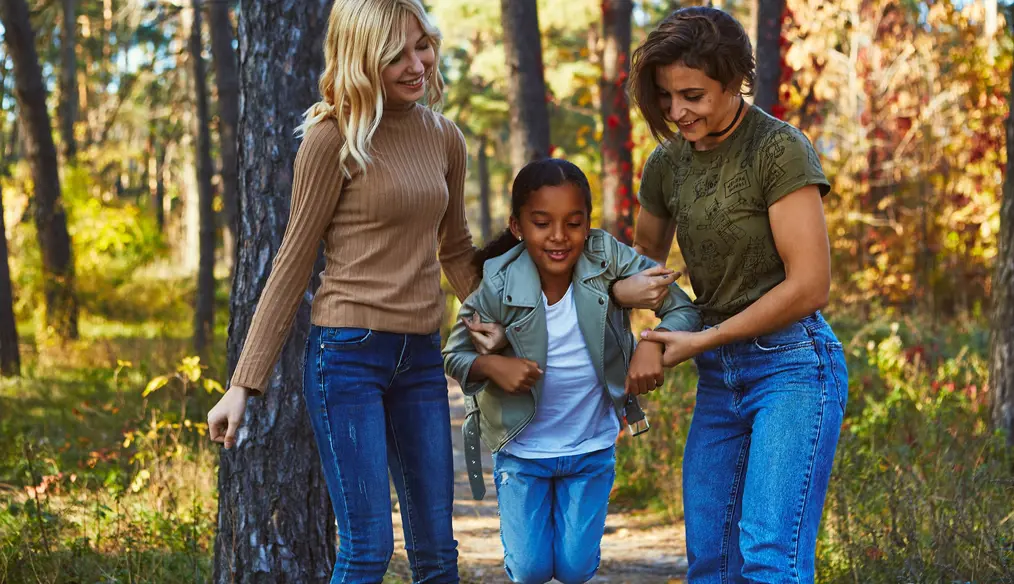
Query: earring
point(521, 238)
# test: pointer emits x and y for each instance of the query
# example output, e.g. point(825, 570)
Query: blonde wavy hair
point(363, 37)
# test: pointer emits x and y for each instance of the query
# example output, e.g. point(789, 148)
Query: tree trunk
point(50, 218)
point(10, 357)
point(526, 85)
point(1001, 369)
point(68, 79)
point(769, 54)
point(485, 219)
point(228, 112)
point(617, 160)
point(204, 312)
point(274, 520)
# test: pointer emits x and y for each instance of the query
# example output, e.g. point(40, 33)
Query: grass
point(99, 483)
point(922, 491)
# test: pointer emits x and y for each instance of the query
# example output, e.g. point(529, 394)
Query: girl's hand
point(227, 415)
point(679, 345)
point(488, 337)
point(645, 372)
point(510, 374)
point(646, 289)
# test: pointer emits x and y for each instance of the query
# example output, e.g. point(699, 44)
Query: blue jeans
point(759, 454)
point(553, 514)
point(378, 401)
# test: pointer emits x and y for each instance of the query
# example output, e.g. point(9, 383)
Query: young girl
point(380, 179)
point(550, 407)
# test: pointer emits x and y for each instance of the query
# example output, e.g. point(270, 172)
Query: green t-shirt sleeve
point(788, 162)
point(651, 195)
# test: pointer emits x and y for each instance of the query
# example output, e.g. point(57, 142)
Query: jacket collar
point(522, 286)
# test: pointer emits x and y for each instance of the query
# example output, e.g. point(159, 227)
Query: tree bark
point(50, 218)
point(228, 111)
point(204, 312)
point(1001, 369)
point(526, 84)
point(68, 78)
point(769, 69)
point(274, 521)
point(617, 160)
point(10, 356)
point(485, 219)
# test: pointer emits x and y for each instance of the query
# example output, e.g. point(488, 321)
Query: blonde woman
point(380, 179)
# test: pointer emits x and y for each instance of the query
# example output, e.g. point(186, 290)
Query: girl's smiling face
point(553, 224)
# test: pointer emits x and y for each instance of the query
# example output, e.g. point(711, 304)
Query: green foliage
point(922, 490)
point(111, 238)
point(119, 487)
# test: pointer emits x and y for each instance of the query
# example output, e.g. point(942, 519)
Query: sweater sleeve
point(456, 251)
point(316, 186)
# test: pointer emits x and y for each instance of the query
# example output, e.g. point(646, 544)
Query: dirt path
point(637, 548)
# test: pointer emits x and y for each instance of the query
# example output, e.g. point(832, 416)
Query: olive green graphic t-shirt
point(720, 198)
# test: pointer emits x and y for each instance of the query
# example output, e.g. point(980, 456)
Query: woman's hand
point(646, 289)
point(488, 337)
point(645, 373)
point(679, 345)
point(225, 418)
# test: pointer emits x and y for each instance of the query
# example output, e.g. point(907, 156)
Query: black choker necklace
point(732, 123)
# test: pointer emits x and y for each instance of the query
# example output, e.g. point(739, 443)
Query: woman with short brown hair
point(741, 191)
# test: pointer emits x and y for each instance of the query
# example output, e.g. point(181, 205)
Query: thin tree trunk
point(228, 111)
point(68, 78)
point(617, 161)
point(485, 220)
point(526, 84)
point(50, 218)
point(10, 356)
point(769, 69)
point(204, 312)
point(160, 198)
point(292, 538)
point(1001, 370)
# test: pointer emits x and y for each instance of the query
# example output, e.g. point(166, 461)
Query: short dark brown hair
point(698, 37)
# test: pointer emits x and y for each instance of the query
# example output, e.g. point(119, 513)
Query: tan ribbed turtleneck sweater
point(383, 233)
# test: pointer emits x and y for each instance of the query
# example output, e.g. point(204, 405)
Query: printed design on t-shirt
point(709, 251)
point(779, 148)
point(718, 220)
point(737, 184)
point(706, 186)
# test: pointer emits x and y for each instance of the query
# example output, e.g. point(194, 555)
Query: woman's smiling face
point(696, 103)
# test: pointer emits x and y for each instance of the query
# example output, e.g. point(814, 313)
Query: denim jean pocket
point(344, 338)
point(795, 336)
point(839, 371)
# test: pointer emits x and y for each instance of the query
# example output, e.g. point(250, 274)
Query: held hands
point(488, 337)
point(227, 415)
point(646, 289)
point(645, 373)
point(510, 374)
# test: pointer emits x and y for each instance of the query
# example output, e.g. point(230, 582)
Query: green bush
point(922, 490)
point(110, 238)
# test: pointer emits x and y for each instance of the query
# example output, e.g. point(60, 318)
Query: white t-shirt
point(575, 414)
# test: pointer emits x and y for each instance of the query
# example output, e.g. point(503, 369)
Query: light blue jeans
point(553, 514)
point(759, 454)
